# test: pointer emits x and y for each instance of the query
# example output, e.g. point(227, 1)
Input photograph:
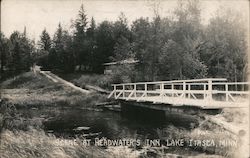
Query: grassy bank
point(31, 89)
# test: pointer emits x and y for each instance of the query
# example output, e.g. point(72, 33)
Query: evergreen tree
point(4, 53)
point(45, 41)
point(20, 49)
point(104, 45)
point(68, 56)
point(56, 56)
point(44, 49)
point(91, 44)
point(80, 42)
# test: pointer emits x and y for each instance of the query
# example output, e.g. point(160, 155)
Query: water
point(141, 125)
point(63, 122)
point(108, 124)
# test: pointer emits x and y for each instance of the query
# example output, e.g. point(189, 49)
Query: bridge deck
point(203, 93)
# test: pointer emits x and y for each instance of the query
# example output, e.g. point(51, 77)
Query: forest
point(179, 46)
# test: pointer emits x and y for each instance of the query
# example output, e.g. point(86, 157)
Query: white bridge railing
point(198, 92)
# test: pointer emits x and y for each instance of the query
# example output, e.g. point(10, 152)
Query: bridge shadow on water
point(184, 117)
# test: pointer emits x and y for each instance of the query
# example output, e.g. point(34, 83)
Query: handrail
point(232, 83)
point(207, 90)
point(175, 81)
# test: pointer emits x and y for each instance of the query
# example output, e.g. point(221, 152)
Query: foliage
point(44, 45)
point(178, 46)
point(225, 52)
point(79, 37)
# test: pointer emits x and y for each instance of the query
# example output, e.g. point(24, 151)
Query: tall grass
point(35, 143)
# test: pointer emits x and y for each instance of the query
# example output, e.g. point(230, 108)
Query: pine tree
point(91, 44)
point(20, 48)
point(45, 41)
point(80, 43)
point(44, 49)
point(57, 53)
point(4, 53)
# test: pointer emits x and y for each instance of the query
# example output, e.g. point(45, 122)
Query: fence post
point(146, 89)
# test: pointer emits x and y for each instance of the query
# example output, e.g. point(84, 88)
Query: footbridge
point(208, 93)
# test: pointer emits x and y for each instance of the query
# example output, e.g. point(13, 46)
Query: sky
point(36, 15)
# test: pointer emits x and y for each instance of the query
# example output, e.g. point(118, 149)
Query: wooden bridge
point(209, 93)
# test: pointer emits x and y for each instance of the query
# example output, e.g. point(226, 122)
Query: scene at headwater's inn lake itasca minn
point(124, 79)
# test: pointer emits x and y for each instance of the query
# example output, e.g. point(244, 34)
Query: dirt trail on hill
point(57, 79)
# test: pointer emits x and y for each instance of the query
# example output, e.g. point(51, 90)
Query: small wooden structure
point(108, 66)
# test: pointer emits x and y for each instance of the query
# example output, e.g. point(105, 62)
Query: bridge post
point(226, 89)
point(146, 89)
point(210, 88)
point(184, 89)
point(115, 91)
point(172, 88)
point(161, 88)
point(135, 90)
point(189, 88)
point(205, 93)
point(123, 91)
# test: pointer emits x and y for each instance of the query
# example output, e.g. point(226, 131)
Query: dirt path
point(57, 79)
